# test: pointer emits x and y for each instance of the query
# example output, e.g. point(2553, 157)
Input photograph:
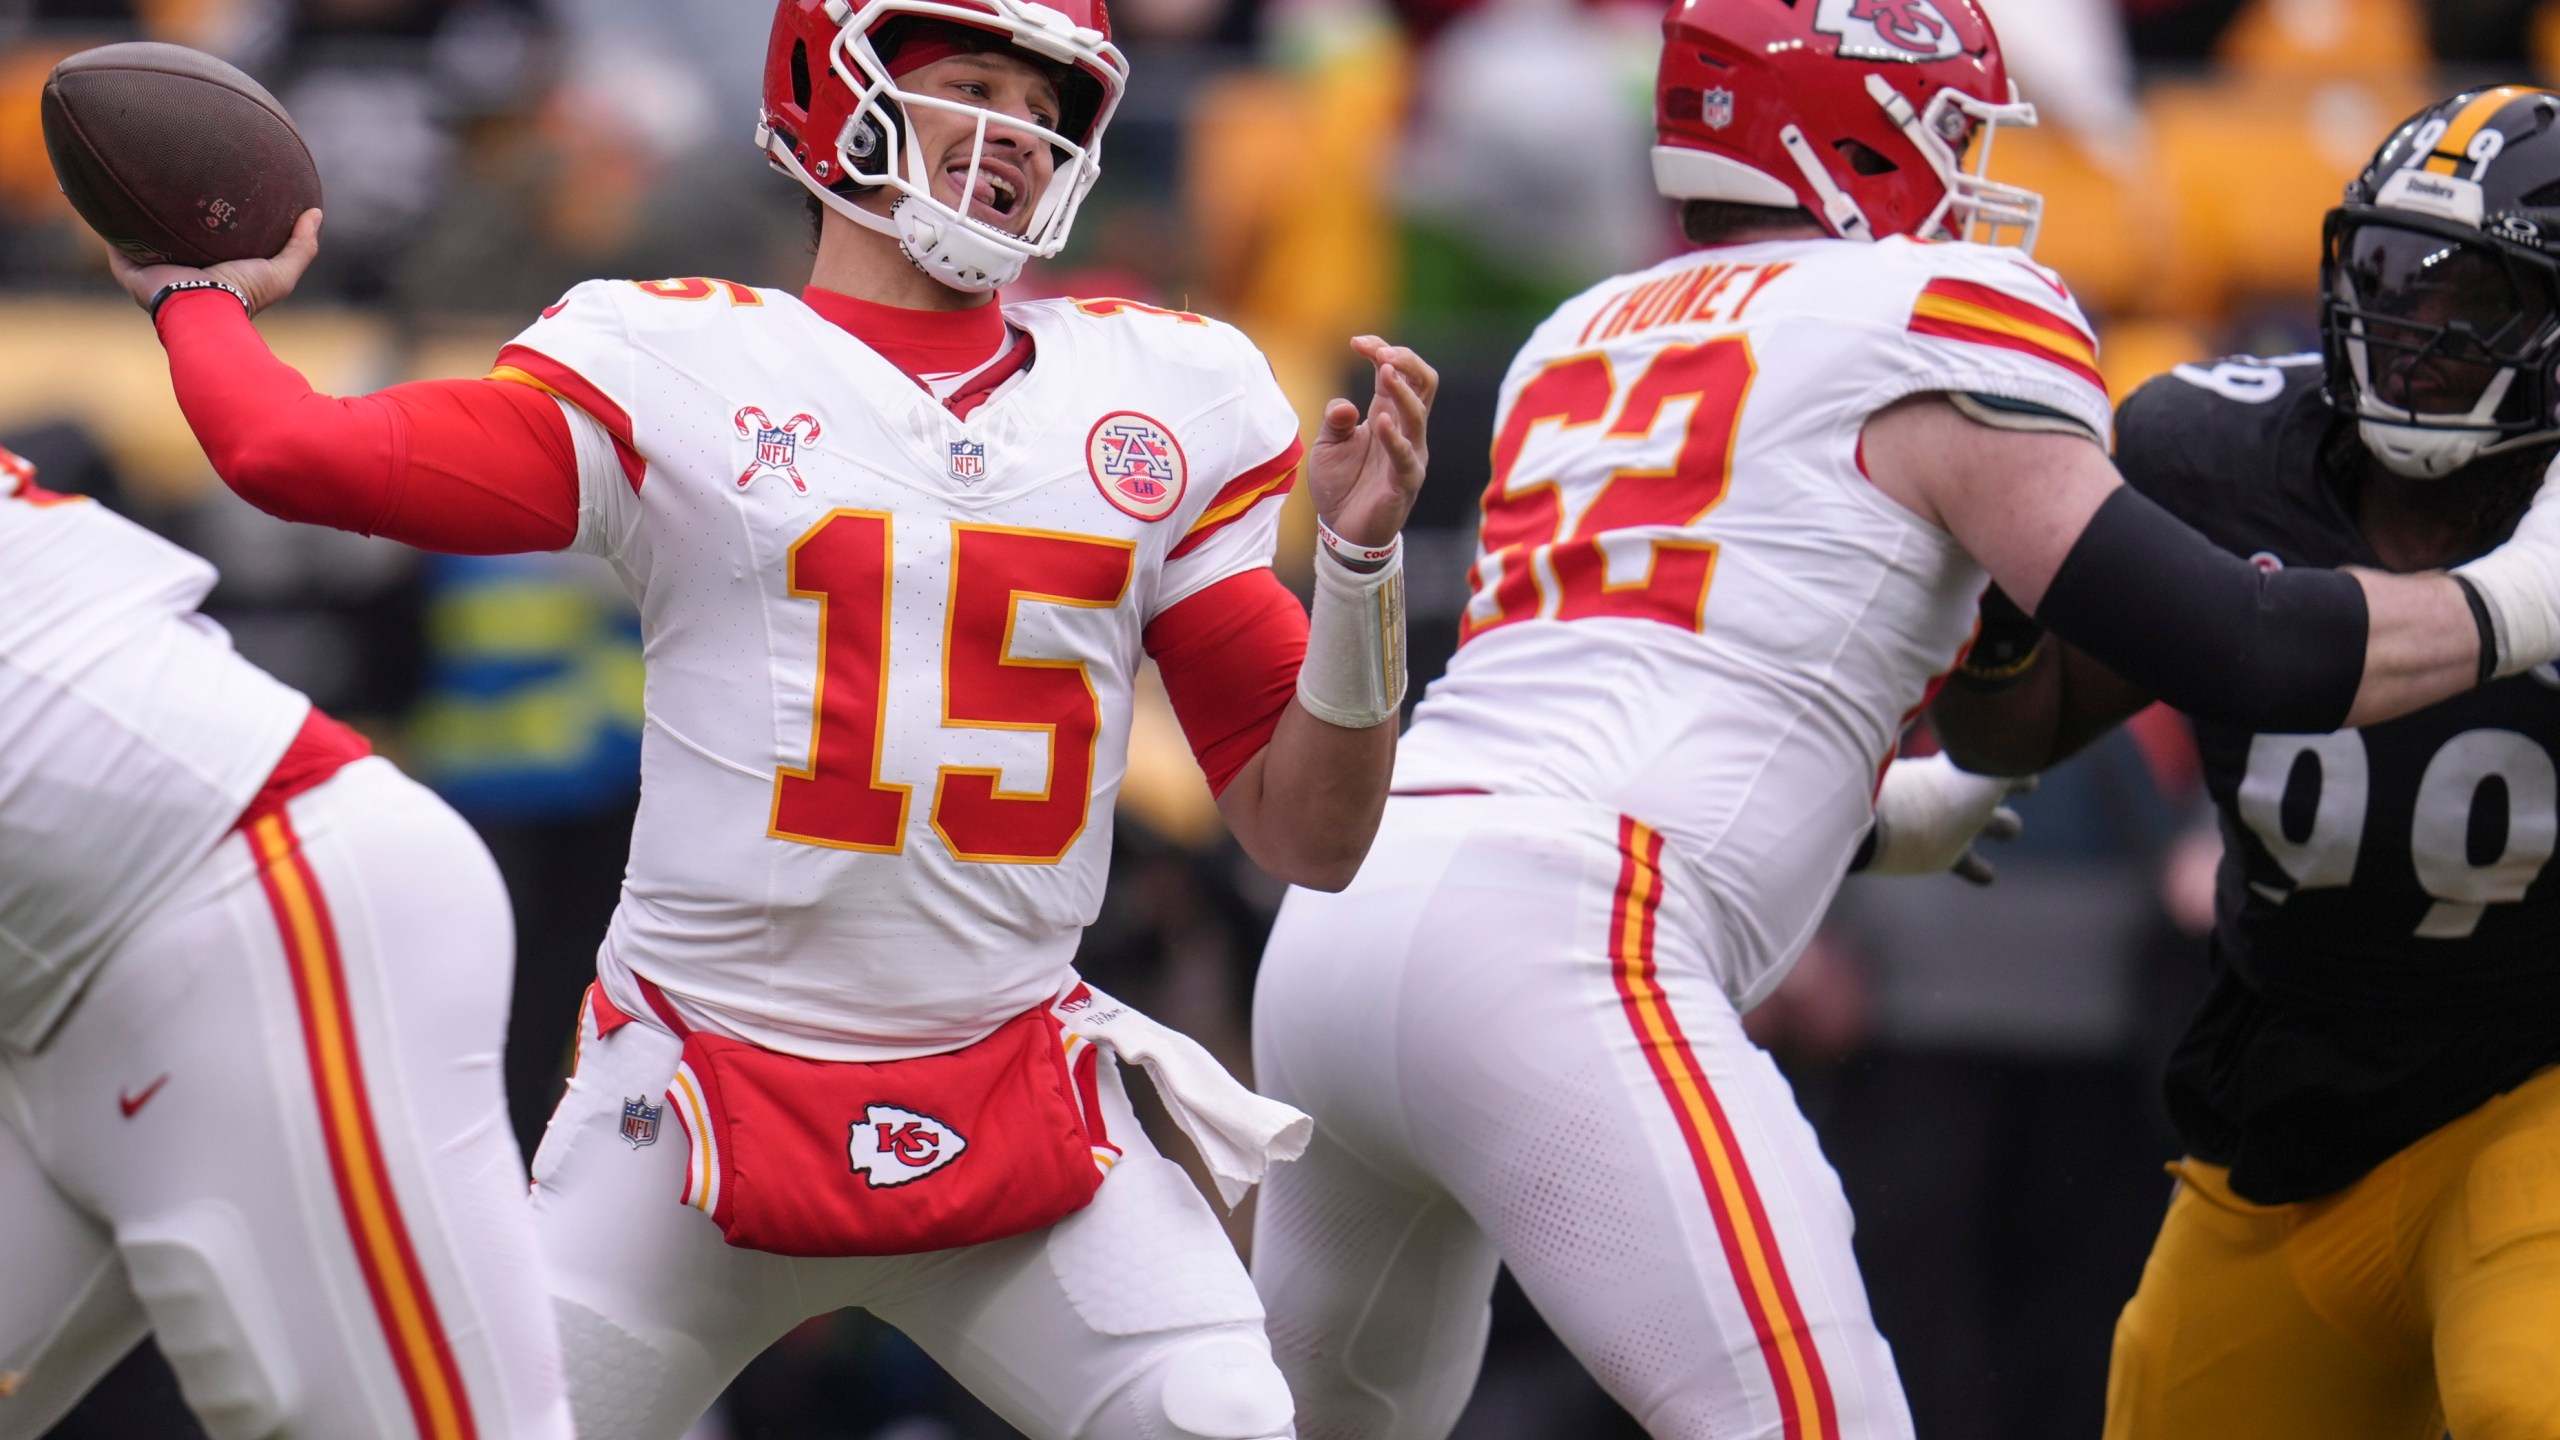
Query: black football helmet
point(2440, 284)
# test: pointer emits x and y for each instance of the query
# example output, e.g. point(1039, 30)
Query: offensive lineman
point(2366, 1236)
point(252, 988)
point(1742, 509)
point(898, 552)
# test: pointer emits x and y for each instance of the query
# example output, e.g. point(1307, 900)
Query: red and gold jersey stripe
point(367, 1199)
point(1982, 315)
point(1751, 1248)
point(1237, 499)
point(523, 365)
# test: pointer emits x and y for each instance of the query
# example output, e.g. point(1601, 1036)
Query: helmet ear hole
point(801, 87)
point(1864, 158)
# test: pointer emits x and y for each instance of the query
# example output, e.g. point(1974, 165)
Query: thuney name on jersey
point(1688, 602)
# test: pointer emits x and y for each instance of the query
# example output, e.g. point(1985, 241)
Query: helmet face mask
point(1984, 211)
point(876, 144)
point(2440, 306)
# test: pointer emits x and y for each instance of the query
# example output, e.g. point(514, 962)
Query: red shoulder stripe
point(1276, 476)
point(2004, 340)
point(2004, 303)
point(1981, 315)
point(531, 367)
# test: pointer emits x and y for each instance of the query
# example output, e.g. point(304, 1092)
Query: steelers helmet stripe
point(2453, 152)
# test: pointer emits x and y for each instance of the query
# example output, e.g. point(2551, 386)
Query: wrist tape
point(1354, 673)
point(2510, 588)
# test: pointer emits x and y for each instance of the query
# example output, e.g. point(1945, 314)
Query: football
point(175, 156)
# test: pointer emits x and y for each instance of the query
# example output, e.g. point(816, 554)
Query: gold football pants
point(2426, 1297)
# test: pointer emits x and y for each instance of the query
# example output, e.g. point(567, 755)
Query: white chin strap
point(2417, 451)
point(955, 254)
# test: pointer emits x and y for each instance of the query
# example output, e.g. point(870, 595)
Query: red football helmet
point(1860, 111)
point(835, 119)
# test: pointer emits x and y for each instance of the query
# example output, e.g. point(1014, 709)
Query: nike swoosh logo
point(132, 1104)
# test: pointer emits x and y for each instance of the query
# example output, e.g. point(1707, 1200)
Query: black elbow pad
point(2212, 634)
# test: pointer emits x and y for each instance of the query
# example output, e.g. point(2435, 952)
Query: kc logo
point(777, 446)
point(1137, 464)
point(890, 1146)
point(1889, 29)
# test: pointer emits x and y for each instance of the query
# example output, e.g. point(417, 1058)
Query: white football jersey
point(131, 738)
point(1689, 603)
point(891, 653)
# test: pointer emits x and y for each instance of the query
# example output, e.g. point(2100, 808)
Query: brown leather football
point(175, 156)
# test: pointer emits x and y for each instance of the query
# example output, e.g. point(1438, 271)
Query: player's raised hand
point(1365, 473)
point(261, 282)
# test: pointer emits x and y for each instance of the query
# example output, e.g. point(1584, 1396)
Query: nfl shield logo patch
point(968, 461)
point(1137, 465)
point(640, 1121)
point(1717, 109)
point(777, 446)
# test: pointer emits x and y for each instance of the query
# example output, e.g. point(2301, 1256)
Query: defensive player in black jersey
point(2366, 1239)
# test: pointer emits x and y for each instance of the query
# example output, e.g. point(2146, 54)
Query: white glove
point(2520, 583)
point(1929, 813)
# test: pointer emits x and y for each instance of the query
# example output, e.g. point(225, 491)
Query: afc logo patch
point(1889, 29)
point(777, 446)
point(891, 1147)
point(640, 1121)
point(1137, 465)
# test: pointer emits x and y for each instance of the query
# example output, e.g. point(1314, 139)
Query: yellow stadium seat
point(2094, 218)
point(2248, 168)
point(2131, 352)
point(2307, 38)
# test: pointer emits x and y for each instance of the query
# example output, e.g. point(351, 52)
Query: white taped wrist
point(2518, 590)
point(1354, 673)
point(2519, 582)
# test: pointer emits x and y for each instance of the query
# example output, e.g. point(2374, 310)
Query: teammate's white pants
point(1131, 1319)
point(272, 1131)
point(1515, 1054)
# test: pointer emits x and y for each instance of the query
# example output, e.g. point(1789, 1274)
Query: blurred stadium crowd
point(1982, 1063)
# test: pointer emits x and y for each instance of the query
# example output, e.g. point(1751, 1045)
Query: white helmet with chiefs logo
point(835, 118)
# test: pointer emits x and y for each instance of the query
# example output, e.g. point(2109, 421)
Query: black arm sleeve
point(2207, 631)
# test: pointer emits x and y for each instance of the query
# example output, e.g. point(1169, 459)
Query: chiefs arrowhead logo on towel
point(891, 1146)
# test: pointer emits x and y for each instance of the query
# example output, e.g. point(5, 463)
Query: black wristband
point(167, 292)
point(2488, 628)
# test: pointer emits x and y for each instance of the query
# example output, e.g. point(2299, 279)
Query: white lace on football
point(944, 240)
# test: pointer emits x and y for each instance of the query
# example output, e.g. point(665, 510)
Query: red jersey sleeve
point(465, 467)
point(1230, 658)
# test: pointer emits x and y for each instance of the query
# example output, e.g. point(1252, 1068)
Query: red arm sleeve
point(1230, 658)
point(466, 467)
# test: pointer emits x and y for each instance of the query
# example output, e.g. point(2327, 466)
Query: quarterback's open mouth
point(998, 196)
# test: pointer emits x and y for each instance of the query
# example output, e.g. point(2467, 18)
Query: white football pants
point(1131, 1319)
point(1515, 1053)
point(272, 1132)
